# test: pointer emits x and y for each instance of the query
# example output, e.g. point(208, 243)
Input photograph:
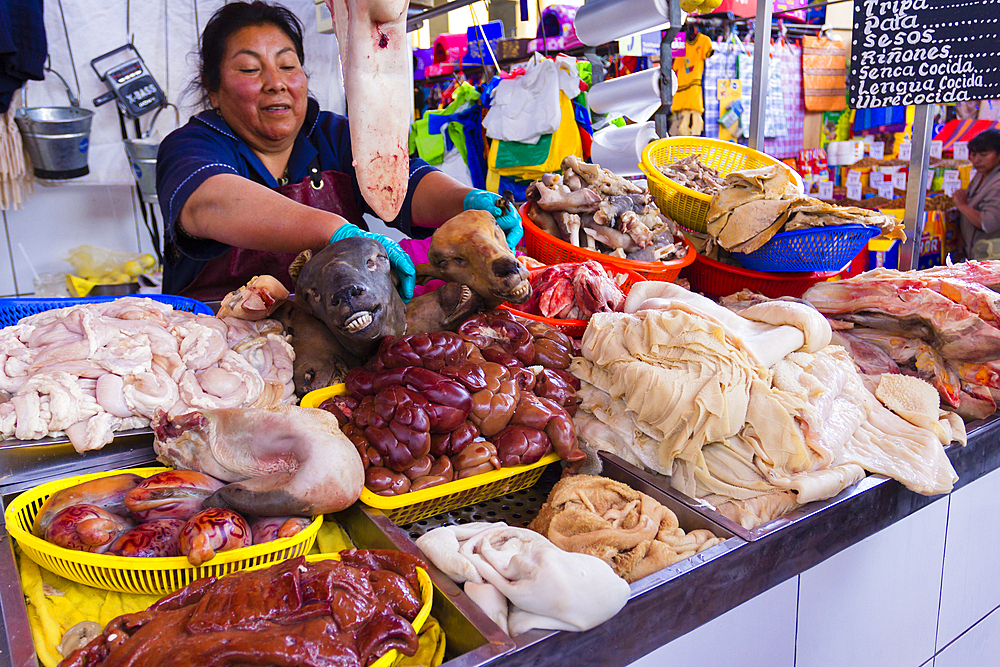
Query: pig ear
point(296, 266)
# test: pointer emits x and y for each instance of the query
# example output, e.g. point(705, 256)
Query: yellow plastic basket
point(685, 206)
point(416, 505)
point(393, 657)
point(153, 576)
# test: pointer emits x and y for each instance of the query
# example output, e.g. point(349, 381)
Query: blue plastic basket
point(12, 310)
point(814, 249)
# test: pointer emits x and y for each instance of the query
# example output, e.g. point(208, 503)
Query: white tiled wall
point(758, 633)
point(875, 603)
point(56, 219)
point(971, 587)
point(979, 647)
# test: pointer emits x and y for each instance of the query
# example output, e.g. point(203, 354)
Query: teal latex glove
point(501, 209)
point(400, 261)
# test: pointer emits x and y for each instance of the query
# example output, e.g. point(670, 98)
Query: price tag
point(904, 150)
point(869, 141)
point(875, 179)
point(953, 176)
point(853, 177)
point(936, 149)
point(854, 191)
point(886, 191)
point(878, 150)
point(825, 190)
point(950, 187)
point(899, 180)
point(961, 150)
point(930, 178)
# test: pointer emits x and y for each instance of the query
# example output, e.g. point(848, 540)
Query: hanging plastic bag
point(824, 72)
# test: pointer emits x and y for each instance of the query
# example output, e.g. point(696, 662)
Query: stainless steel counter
point(661, 607)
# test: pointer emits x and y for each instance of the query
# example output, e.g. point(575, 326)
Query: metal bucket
point(57, 139)
point(142, 156)
point(141, 153)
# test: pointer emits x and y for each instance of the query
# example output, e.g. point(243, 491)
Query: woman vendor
point(980, 204)
point(264, 174)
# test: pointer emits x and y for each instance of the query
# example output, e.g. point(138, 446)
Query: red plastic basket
point(716, 279)
point(548, 249)
point(575, 328)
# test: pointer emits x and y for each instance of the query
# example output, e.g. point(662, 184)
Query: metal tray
point(472, 639)
point(662, 483)
point(519, 508)
point(25, 464)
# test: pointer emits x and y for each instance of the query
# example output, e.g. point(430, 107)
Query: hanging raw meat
point(371, 35)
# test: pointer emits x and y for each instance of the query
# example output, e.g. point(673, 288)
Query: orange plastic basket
point(688, 207)
point(575, 328)
point(549, 250)
point(418, 505)
point(153, 576)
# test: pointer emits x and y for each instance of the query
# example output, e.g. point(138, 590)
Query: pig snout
point(350, 293)
point(508, 270)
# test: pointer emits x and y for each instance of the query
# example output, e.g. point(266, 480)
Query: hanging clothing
point(824, 73)
point(23, 46)
point(524, 108)
point(788, 144)
point(530, 161)
point(721, 65)
point(689, 69)
point(206, 146)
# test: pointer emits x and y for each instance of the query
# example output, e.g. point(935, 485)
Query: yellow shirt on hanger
point(689, 70)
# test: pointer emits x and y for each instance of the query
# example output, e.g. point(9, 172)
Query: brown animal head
point(471, 249)
point(444, 309)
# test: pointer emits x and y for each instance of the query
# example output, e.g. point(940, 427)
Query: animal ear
point(426, 272)
point(296, 266)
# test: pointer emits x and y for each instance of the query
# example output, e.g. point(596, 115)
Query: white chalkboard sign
point(924, 52)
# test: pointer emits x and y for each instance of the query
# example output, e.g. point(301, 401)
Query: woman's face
point(984, 161)
point(262, 89)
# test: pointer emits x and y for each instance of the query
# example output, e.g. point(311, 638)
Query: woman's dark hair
point(226, 21)
point(985, 141)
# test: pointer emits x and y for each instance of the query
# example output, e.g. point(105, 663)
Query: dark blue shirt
point(206, 146)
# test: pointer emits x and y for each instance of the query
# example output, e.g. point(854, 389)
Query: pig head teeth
point(359, 321)
point(521, 290)
point(466, 295)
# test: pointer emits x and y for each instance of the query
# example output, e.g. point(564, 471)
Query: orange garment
point(824, 72)
point(689, 70)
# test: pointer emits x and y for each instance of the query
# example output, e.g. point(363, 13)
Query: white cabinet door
point(970, 587)
point(758, 633)
point(876, 602)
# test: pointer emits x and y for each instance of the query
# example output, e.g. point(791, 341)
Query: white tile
point(971, 588)
point(876, 602)
point(6, 270)
point(979, 647)
point(57, 218)
point(758, 633)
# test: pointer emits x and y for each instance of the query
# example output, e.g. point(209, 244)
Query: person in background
point(264, 173)
point(980, 204)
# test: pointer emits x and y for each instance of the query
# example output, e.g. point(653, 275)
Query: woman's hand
point(961, 196)
point(504, 212)
point(400, 261)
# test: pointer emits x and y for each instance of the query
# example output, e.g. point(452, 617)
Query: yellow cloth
point(565, 141)
point(430, 652)
point(689, 69)
point(56, 604)
point(331, 539)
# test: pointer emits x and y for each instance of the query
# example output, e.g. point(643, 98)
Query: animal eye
point(460, 261)
point(372, 264)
